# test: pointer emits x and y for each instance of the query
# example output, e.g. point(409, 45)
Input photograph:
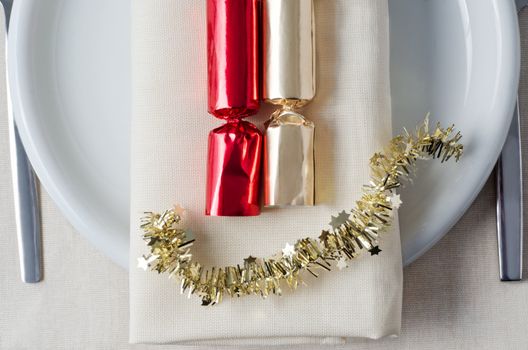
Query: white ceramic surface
point(70, 82)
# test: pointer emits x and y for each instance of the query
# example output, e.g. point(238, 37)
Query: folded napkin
point(169, 139)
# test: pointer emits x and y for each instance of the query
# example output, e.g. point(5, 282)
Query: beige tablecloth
point(452, 296)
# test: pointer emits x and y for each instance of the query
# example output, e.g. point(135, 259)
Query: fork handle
point(25, 191)
point(27, 214)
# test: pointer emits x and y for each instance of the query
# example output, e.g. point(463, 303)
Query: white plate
point(70, 83)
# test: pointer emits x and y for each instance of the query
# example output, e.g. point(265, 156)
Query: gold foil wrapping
point(289, 160)
point(288, 52)
point(288, 81)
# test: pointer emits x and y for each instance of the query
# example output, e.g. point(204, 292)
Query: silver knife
point(509, 198)
point(27, 213)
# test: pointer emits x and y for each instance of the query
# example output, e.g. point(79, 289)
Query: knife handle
point(510, 204)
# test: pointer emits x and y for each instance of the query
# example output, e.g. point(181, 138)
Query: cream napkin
point(169, 137)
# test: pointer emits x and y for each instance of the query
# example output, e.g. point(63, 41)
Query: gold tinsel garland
point(351, 232)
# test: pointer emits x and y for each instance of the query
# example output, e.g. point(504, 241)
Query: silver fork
point(509, 198)
point(27, 213)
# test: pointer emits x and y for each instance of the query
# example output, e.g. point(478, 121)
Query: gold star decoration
point(396, 201)
point(323, 237)
point(339, 220)
point(375, 251)
point(143, 263)
point(288, 250)
point(179, 210)
point(342, 263)
point(250, 260)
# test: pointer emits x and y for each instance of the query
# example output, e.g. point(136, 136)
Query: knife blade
point(509, 205)
point(26, 201)
point(509, 198)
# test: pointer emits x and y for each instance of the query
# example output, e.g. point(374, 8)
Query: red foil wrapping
point(234, 153)
point(232, 49)
point(233, 170)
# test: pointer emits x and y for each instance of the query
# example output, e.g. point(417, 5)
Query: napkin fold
point(169, 140)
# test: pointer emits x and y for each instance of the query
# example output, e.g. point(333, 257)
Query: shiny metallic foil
point(235, 149)
point(289, 160)
point(233, 170)
point(288, 52)
point(233, 58)
point(288, 58)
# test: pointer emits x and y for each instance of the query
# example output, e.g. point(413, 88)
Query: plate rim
point(510, 40)
point(510, 75)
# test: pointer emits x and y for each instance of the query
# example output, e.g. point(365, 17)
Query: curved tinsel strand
point(352, 232)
